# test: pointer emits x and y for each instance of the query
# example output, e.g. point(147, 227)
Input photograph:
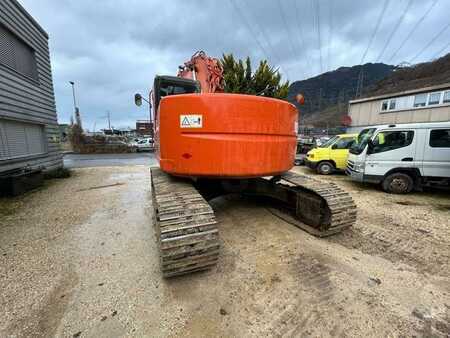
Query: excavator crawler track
point(337, 209)
point(186, 227)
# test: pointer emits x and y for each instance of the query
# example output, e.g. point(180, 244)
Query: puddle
point(408, 203)
point(442, 207)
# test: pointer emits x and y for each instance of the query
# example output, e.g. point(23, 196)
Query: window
point(434, 98)
point(16, 54)
point(19, 139)
point(392, 104)
point(420, 100)
point(328, 143)
point(343, 143)
point(390, 140)
point(446, 97)
point(165, 86)
point(384, 105)
point(440, 138)
point(361, 141)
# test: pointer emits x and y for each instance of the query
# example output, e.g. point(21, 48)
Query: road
point(78, 258)
point(108, 160)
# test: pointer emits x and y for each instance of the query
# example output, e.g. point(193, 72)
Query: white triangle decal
point(185, 121)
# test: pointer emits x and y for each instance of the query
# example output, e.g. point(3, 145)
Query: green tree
point(239, 78)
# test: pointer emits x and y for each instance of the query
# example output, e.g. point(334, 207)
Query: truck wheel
point(398, 183)
point(325, 168)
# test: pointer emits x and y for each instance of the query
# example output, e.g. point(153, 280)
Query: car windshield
point(361, 141)
point(329, 142)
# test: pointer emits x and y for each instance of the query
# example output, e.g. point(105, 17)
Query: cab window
point(440, 138)
point(390, 140)
point(344, 143)
point(329, 142)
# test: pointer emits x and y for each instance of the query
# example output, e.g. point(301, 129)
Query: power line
point(360, 81)
point(396, 26)
point(441, 50)
point(249, 29)
point(377, 27)
point(302, 36)
point(313, 22)
point(430, 43)
point(268, 43)
point(318, 33)
point(283, 18)
point(313, 18)
point(413, 30)
point(330, 35)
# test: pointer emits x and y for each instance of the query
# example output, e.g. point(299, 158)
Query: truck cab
point(402, 157)
point(332, 155)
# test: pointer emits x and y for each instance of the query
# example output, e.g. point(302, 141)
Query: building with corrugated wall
point(29, 133)
point(429, 104)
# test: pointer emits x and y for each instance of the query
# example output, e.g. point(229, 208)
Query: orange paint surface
point(241, 136)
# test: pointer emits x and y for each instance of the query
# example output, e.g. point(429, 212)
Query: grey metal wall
point(24, 99)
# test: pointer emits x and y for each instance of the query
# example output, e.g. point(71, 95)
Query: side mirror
point(334, 146)
point(138, 99)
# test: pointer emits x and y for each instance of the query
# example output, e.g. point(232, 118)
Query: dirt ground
point(78, 259)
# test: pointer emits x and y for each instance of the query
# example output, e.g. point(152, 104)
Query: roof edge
point(29, 17)
point(404, 93)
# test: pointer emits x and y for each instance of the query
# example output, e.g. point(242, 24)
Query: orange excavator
point(209, 143)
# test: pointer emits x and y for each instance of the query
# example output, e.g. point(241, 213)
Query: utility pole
point(75, 107)
point(109, 120)
point(360, 84)
point(320, 100)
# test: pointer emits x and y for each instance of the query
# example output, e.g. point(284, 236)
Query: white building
point(430, 104)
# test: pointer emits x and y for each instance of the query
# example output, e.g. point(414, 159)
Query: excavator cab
point(172, 85)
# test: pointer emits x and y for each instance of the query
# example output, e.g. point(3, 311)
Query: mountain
point(327, 95)
point(420, 75)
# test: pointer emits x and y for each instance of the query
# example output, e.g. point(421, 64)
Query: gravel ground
point(78, 259)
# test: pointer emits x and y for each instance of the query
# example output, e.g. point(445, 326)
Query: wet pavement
point(78, 258)
point(108, 160)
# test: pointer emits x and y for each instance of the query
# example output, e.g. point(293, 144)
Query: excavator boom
point(207, 70)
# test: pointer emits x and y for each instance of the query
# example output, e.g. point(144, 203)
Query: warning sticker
point(191, 121)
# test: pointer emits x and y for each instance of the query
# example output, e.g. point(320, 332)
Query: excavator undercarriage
point(186, 228)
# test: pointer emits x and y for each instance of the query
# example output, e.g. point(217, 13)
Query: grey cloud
point(113, 49)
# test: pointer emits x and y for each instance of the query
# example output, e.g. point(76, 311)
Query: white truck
point(402, 157)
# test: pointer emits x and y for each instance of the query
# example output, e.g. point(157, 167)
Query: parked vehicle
point(145, 144)
point(402, 157)
point(304, 144)
point(332, 155)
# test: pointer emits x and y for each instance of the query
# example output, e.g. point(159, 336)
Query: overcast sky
point(114, 48)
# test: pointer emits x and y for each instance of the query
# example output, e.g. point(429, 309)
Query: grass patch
point(58, 173)
point(6, 207)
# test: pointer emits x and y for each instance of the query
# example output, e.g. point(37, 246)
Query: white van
point(402, 157)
